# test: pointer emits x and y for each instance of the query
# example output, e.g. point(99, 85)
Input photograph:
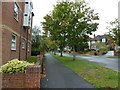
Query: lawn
point(84, 55)
point(33, 59)
point(113, 57)
point(98, 76)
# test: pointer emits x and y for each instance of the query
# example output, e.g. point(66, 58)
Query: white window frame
point(13, 41)
point(23, 43)
point(103, 39)
point(16, 11)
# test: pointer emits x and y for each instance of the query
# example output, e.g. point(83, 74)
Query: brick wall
point(12, 26)
point(0, 43)
point(30, 79)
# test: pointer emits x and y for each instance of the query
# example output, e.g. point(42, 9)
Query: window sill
point(23, 48)
point(13, 50)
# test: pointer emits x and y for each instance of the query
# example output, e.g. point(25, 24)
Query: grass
point(84, 55)
point(98, 76)
point(33, 59)
point(113, 57)
point(68, 53)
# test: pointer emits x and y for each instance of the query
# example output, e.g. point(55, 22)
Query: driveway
point(59, 76)
point(111, 63)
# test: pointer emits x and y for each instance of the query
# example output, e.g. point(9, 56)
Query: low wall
point(29, 79)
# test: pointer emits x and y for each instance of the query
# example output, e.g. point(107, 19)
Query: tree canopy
point(70, 23)
point(114, 31)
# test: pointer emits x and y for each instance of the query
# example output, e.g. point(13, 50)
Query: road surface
point(111, 63)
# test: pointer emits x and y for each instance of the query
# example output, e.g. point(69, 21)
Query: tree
point(70, 23)
point(53, 45)
point(114, 31)
point(38, 44)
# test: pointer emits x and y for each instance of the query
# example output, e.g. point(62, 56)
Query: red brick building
point(16, 30)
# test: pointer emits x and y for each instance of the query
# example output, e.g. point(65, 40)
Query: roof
point(98, 37)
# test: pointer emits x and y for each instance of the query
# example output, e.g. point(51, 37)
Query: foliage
point(51, 44)
point(114, 31)
point(15, 66)
point(35, 37)
point(70, 23)
point(33, 59)
point(38, 44)
point(98, 76)
point(103, 48)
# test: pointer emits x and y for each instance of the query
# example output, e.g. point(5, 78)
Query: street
point(111, 63)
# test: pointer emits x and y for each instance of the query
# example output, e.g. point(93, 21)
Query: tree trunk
point(54, 52)
point(74, 55)
point(61, 53)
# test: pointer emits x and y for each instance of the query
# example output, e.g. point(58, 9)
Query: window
point(93, 47)
point(28, 47)
point(13, 46)
point(103, 40)
point(16, 9)
point(92, 41)
point(23, 43)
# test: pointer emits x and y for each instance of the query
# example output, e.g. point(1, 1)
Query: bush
point(35, 52)
point(15, 66)
point(104, 50)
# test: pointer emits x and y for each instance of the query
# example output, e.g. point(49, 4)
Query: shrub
point(104, 50)
point(35, 52)
point(15, 66)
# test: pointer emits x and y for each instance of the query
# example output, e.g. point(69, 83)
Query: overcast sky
point(107, 10)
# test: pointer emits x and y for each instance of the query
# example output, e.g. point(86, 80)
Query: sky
point(106, 9)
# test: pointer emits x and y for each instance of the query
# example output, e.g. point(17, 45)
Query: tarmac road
point(111, 63)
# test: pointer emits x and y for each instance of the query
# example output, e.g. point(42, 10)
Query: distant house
point(16, 30)
point(97, 39)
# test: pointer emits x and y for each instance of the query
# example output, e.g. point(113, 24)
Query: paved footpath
point(59, 76)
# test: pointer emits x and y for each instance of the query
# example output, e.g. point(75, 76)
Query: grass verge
point(113, 57)
point(33, 59)
point(98, 76)
point(84, 55)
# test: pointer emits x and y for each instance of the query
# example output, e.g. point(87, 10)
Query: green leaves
point(69, 21)
point(114, 31)
point(14, 66)
point(51, 44)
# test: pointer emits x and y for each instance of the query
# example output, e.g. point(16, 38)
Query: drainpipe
point(26, 42)
point(20, 34)
point(20, 40)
